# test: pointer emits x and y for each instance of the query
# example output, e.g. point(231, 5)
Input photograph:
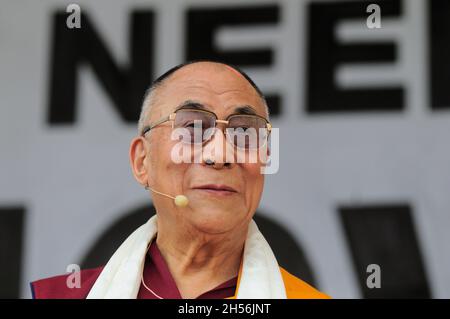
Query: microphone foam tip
point(181, 201)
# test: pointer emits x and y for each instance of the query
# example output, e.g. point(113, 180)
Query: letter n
point(125, 85)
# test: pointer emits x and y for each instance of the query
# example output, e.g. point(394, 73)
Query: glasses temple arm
point(152, 125)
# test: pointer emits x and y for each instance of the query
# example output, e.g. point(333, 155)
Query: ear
point(138, 159)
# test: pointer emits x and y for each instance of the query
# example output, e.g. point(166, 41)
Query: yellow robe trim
point(295, 287)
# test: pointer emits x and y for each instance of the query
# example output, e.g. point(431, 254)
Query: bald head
point(202, 78)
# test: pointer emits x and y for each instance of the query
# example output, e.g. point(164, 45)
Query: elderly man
point(202, 242)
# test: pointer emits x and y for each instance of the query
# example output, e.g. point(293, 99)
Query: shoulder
point(298, 289)
point(57, 288)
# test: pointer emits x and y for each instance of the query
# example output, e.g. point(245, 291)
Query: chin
point(214, 221)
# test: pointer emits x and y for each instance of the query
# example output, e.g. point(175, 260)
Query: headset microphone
point(179, 200)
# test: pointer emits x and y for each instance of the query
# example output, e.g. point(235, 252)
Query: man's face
point(221, 90)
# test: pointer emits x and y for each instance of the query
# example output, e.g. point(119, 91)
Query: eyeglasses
point(245, 131)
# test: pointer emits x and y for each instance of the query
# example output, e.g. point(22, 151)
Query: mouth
point(217, 189)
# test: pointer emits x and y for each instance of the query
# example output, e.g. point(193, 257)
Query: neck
point(199, 261)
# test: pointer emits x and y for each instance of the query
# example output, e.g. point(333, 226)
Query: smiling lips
point(217, 189)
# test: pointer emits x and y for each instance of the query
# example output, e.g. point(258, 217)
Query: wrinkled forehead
point(219, 88)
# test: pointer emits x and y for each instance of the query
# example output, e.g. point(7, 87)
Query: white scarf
point(121, 277)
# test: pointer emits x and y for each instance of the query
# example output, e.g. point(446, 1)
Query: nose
point(217, 153)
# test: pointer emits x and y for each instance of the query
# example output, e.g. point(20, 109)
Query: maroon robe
point(156, 276)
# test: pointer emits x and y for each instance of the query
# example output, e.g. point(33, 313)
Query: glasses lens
point(191, 119)
point(247, 131)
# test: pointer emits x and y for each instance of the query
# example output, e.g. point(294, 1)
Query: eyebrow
point(190, 104)
point(245, 109)
point(242, 109)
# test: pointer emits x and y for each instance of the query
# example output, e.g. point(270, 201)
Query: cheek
point(254, 179)
point(161, 165)
point(161, 146)
point(253, 170)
